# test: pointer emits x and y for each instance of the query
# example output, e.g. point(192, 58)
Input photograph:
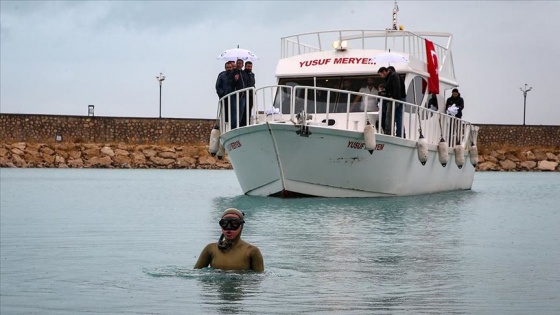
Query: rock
point(120, 159)
point(507, 165)
point(206, 160)
point(186, 162)
point(539, 155)
point(551, 157)
point(107, 151)
point(49, 159)
point(138, 159)
point(3, 152)
point(491, 159)
point(527, 165)
point(18, 160)
point(59, 160)
point(99, 161)
point(75, 154)
point(512, 157)
point(19, 145)
point(75, 162)
point(149, 153)
point(91, 152)
point(161, 161)
point(487, 166)
point(530, 156)
point(547, 165)
point(16, 151)
point(46, 151)
point(33, 160)
point(167, 155)
point(121, 152)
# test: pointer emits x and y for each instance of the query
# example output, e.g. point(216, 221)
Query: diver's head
point(232, 223)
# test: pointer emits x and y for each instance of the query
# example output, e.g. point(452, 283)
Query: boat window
point(318, 100)
point(416, 90)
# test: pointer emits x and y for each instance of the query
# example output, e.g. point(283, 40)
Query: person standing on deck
point(399, 110)
point(371, 104)
point(237, 81)
point(222, 86)
point(250, 83)
point(393, 90)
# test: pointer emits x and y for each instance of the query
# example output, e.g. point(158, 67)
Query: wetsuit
point(239, 255)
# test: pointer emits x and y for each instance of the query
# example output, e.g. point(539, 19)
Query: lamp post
point(525, 100)
point(160, 78)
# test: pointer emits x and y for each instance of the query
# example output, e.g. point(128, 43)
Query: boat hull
point(279, 159)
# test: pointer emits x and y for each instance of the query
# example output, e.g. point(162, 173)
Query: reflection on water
point(376, 251)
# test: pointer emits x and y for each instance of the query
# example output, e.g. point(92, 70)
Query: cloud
point(56, 57)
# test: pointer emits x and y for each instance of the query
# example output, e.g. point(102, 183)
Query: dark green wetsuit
point(239, 256)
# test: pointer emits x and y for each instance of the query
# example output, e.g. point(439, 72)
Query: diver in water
point(231, 252)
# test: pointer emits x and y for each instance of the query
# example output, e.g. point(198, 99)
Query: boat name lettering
point(362, 145)
point(353, 61)
point(234, 145)
point(337, 61)
point(356, 145)
point(314, 62)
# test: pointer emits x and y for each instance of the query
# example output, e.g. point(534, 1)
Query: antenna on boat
point(395, 10)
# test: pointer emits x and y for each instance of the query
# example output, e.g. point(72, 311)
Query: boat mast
point(395, 10)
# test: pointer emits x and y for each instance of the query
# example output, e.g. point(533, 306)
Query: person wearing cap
point(231, 252)
point(456, 100)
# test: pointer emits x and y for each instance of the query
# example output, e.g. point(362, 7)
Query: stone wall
point(87, 129)
point(121, 142)
point(518, 136)
point(120, 155)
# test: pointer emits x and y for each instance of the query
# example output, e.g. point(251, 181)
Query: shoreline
point(196, 156)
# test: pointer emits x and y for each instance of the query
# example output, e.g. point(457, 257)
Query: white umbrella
point(238, 53)
point(389, 57)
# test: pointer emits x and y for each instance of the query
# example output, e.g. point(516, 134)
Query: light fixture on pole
point(160, 78)
point(525, 100)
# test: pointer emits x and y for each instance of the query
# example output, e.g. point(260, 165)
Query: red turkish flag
point(431, 56)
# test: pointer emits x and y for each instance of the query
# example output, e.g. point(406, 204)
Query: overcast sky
point(58, 57)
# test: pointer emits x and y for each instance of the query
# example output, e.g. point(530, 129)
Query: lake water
point(91, 241)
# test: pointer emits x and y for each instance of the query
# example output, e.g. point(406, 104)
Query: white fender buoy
point(460, 156)
point(214, 141)
point(442, 152)
point(422, 148)
point(473, 154)
point(369, 137)
point(221, 152)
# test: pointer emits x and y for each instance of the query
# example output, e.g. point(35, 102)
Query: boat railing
point(389, 40)
point(338, 109)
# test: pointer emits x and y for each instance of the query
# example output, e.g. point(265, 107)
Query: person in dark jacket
point(237, 81)
point(393, 90)
point(250, 83)
point(399, 110)
point(456, 100)
point(222, 86)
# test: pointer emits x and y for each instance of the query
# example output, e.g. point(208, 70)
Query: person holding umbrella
point(238, 80)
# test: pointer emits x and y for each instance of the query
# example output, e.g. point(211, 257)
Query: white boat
point(301, 138)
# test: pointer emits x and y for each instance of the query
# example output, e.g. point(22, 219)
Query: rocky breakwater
point(89, 155)
point(519, 159)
